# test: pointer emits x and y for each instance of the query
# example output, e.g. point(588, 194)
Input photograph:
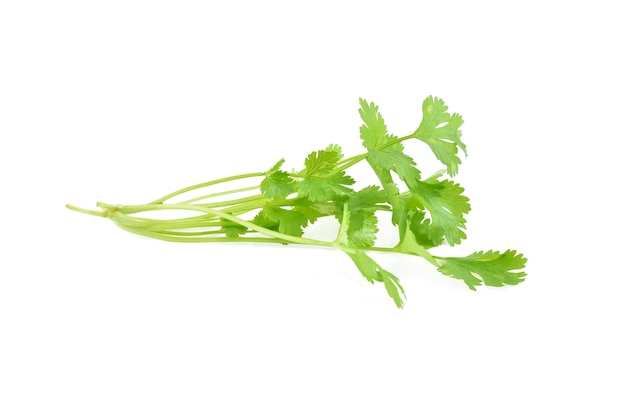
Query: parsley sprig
point(427, 211)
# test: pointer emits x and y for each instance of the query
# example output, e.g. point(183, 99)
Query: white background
point(123, 101)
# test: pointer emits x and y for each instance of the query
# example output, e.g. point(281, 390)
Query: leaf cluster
point(427, 212)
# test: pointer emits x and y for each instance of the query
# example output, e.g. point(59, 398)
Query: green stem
point(231, 202)
point(395, 141)
point(207, 196)
point(224, 215)
point(345, 160)
point(169, 236)
point(168, 225)
point(206, 184)
point(100, 213)
point(349, 162)
point(185, 233)
point(148, 227)
point(141, 208)
point(157, 235)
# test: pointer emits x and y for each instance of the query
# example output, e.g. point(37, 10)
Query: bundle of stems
point(277, 208)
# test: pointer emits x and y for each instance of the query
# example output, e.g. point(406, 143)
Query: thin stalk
point(185, 233)
point(168, 236)
point(207, 196)
point(395, 141)
point(152, 234)
point(349, 162)
point(87, 211)
point(141, 208)
point(146, 227)
point(232, 202)
point(345, 160)
point(156, 226)
point(247, 207)
point(205, 184)
point(227, 216)
point(198, 218)
point(158, 223)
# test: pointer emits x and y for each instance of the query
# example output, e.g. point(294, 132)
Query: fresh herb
point(427, 211)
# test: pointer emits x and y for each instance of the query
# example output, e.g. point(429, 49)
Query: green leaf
point(385, 159)
point(363, 229)
point(261, 219)
point(362, 206)
point(314, 210)
point(276, 166)
point(277, 185)
point(390, 159)
point(368, 267)
point(375, 273)
point(317, 189)
point(441, 131)
point(232, 229)
point(319, 163)
point(334, 148)
point(409, 245)
point(392, 284)
point(373, 130)
point(364, 224)
point(392, 194)
point(446, 206)
point(370, 197)
point(491, 268)
point(285, 221)
point(423, 231)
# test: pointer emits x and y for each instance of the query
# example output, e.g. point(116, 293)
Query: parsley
point(427, 212)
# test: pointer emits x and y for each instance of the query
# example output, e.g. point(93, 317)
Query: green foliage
point(428, 212)
point(373, 130)
point(362, 206)
point(446, 205)
point(232, 229)
point(277, 184)
point(319, 189)
point(389, 159)
point(323, 161)
point(490, 268)
point(441, 132)
point(285, 221)
point(375, 273)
